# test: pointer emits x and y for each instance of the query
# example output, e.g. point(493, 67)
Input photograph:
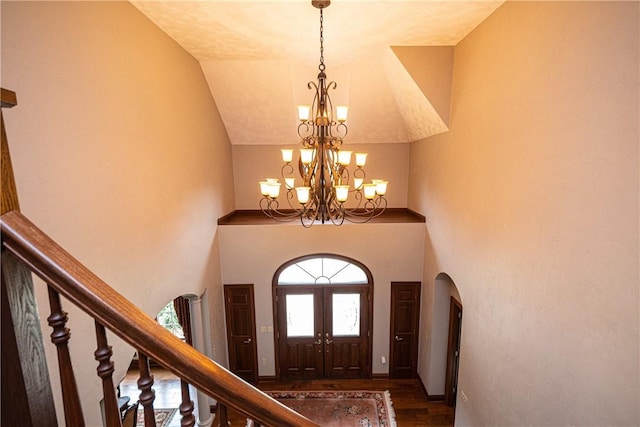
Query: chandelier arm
point(328, 103)
point(359, 197)
point(270, 207)
point(317, 98)
point(341, 131)
point(332, 177)
point(364, 217)
point(290, 197)
point(306, 223)
point(368, 207)
point(372, 209)
point(305, 130)
point(313, 208)
point(286, 170)
point(307, 172)
point(361, 174)
point(344, 175)
point(338, 219)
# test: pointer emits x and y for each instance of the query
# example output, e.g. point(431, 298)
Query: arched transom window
point(322, 270)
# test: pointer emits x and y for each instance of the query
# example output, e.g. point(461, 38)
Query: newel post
point(27, 399)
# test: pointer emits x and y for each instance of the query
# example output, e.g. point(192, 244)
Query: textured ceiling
point(258, 56)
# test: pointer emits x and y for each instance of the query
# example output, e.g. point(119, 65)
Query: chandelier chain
point(321, 67)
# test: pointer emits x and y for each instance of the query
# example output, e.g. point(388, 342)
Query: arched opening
point(185, 317)
point(323, 305)
point(168, 318)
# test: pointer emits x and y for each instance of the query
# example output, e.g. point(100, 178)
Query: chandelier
point(323, 166)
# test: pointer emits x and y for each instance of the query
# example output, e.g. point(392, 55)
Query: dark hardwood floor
point(409, 401)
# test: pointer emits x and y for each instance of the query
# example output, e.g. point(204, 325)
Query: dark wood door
point(346, 332)
point(453, 352)
point(323, 332)
point(405, 318)
point(241, 331)
point(300, 333)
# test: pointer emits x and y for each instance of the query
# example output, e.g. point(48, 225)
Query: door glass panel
point(300, 315)
point(346, 315)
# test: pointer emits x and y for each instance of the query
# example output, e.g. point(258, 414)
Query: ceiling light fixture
point(326, 181)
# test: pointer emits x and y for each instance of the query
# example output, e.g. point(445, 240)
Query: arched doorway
point(323, 306)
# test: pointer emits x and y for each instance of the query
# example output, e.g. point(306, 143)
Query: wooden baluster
point(103, 355)
point(186, 408)
point(60, 337)
point(221, 414)
point(147, 395)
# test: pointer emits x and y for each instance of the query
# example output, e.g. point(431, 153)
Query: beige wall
point(253, 163)
point(531, 203)
point(120, 155)
point(392, 252)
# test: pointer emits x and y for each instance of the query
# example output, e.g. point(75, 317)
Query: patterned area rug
point(163, 417)
point(341, 408)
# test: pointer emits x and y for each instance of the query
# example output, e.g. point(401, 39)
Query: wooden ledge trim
point(256, 217)
point(9, 98)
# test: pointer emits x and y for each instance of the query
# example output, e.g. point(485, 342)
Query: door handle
point(399, 339)
point(327, 340)
point(318, 342)
point(248, 341)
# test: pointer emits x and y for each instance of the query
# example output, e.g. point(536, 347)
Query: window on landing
point(322, 270)
point(169, 319)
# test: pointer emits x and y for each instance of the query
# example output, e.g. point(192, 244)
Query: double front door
point(323, 331)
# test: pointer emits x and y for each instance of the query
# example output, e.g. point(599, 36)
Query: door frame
point(415, 328)
point(369, 309)
point(252, 326)
point(453, 352)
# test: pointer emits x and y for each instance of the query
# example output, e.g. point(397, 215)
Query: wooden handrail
point(8, 98)
point(84, 289)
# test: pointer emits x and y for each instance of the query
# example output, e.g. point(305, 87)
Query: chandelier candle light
point(326, 181)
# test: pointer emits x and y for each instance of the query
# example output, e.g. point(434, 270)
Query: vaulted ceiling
point(258, 57)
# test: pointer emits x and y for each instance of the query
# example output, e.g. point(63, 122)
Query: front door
point(323, 332)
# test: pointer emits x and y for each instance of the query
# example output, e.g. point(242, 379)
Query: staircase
point(27, 396)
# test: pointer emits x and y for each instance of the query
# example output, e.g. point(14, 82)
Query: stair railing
point(66, 276)
point(26, 390)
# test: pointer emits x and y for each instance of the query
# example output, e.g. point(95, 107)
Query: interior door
point(323, 332)
point(453, 352)
point(405, 317)
point(241, 331)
